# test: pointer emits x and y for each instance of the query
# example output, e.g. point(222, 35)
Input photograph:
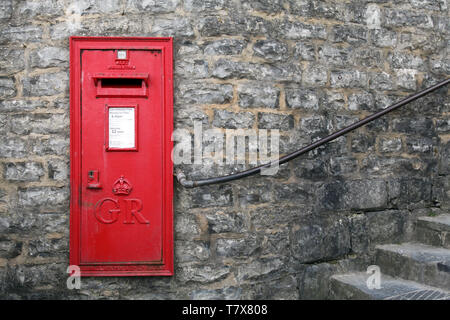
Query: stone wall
point(304, 67)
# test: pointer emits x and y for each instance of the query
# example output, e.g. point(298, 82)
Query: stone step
point(417, 262)
point(434, 230)
point(353, 286)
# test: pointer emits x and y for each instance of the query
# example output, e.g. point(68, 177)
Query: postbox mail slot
point(121, 85)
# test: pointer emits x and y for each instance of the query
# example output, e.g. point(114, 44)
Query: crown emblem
point(122, 186)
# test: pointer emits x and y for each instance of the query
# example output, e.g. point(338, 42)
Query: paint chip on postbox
point(121, 128)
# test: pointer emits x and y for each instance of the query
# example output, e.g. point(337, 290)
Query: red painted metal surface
point(121, 216)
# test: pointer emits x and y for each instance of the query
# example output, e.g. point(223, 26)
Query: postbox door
point(121, 158)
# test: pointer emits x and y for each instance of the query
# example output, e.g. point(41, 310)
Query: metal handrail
point(239, 175)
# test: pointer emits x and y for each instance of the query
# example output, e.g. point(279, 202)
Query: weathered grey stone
point(348, 79)
point(187, 251)
point(320, 240)
point(276, 216)
point(272, 50)
point(258, 95)
point(6, 9)
point(19, 221)
point(23, 277)
point(13, 147)
point(233, 120)
point(299, 98)
point(202, 6)
point(334, 55)
point(253, 192)
point(443, 125)
point(219, 222)
point(361, 101)
point(219, 196)
point(186, 227)
point(429, 4)
point(409, 192)
point(240, 247)
point(402, 60)
point(192, 69)
point(203, 273)
point(349, 34)
point(42, 123)
point(21, 105)
point(227, 293)
point(11, 60)
point(313, 126)
point(54, 146)
point(311, 169)
point(381, 81)
point(275, 121)
point(304, 50)
point(368, 57)
point(416, 262)
point(269, 6)
point(378, 227)
point(49, 57)
point(9, 248)
point(46, 84)
point(42, 9)
point(216, 26)
point(58, 169)
point(433, 230)
point(401, 18)
point(282, 287)
point(43, 199)
point(383, 38)
point(225, 69)
point(20, 34)
point(419, 145)
point(353, 195)
point(259, 269)
point(406, 79)
point(44, 247)
point(295, 193)
point(172, 28)
point(428, 43)
point(297, 30)
point(341, 121)
point(390, 144)
point(315, 75)
point(224, 47)
point(23, 171)
point(373, 16)
point(313, 280)
point(343, 165)
point(151, 6)
point(332, 100)
point(444, 159)
point(421, 126)
point(187, 117)
point(7, 87)
point(322, 9)
point(200, 93)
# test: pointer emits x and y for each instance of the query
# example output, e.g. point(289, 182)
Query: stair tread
point(392, 288)
point(440, 222)
point(419, 252)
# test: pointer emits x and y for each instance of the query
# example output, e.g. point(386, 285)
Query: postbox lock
point(93, 180)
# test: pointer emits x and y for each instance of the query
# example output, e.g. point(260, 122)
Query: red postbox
point(121, 110)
